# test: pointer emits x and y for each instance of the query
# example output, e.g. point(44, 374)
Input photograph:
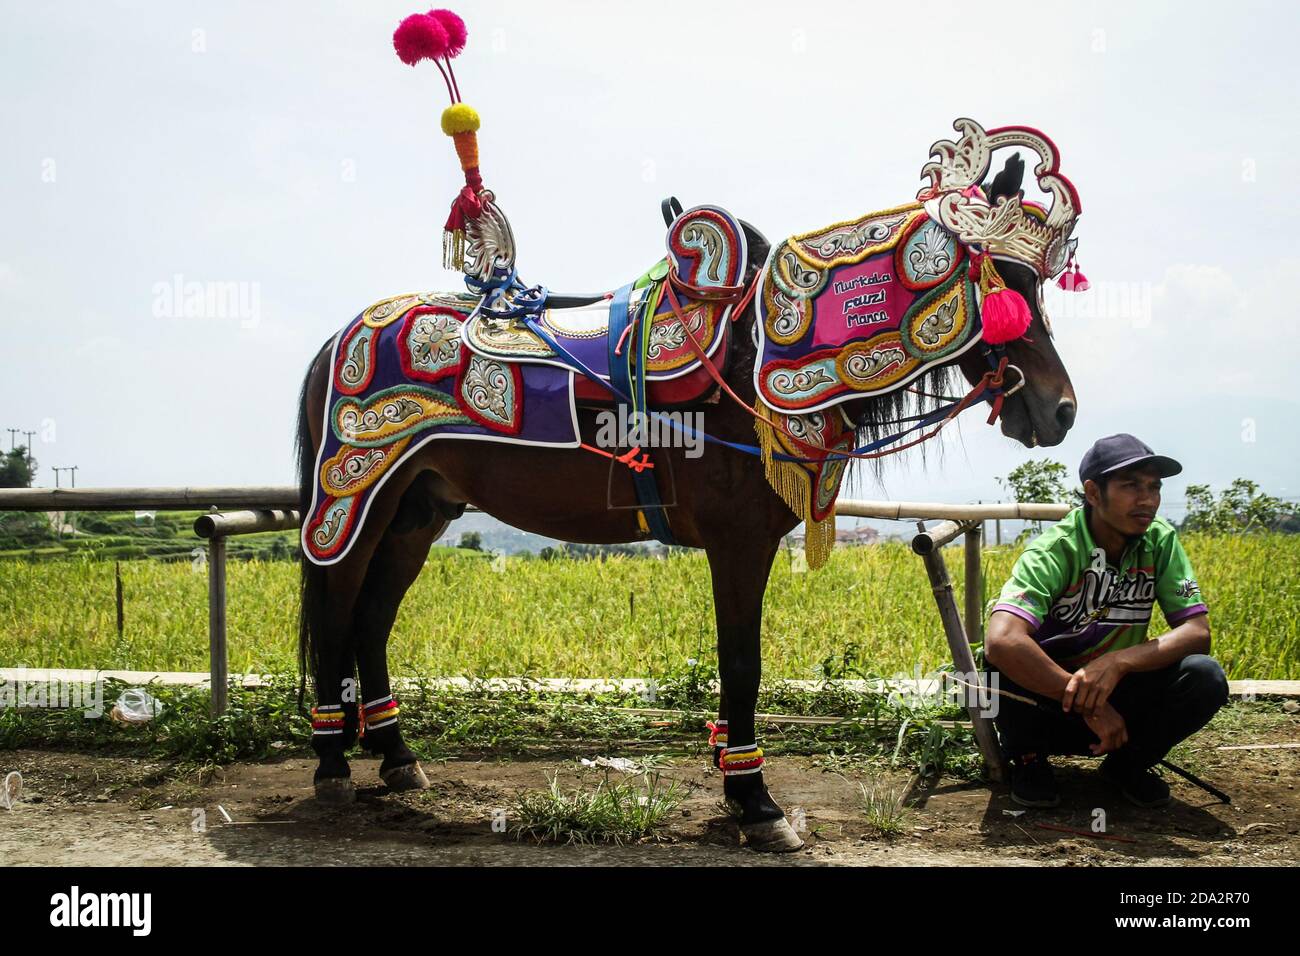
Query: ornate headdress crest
point(1041, 240)
point(477, 238)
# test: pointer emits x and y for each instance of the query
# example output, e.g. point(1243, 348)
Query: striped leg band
point(327, 719)
point(380, 713)
point(741, 760)
point(717, 733)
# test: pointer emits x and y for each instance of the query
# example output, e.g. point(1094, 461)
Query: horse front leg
point(739, 581)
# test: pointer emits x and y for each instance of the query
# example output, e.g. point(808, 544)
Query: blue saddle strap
point(627, 376)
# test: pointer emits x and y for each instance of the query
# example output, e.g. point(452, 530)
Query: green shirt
point(1081, 606)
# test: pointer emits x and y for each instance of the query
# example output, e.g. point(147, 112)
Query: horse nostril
point(1065, 413)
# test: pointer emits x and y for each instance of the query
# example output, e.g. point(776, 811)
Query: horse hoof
point(336, 790)
point(772, 836)
point(408, 776)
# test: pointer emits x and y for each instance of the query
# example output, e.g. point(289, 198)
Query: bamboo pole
point(962, 658)
point(228, 523)
point(925, 542)
point(145, 499)
point(935, 510)
point(286, 496)
point(974, 585)
point(217, 623)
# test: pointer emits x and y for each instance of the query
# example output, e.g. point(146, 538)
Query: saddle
point(635, 325)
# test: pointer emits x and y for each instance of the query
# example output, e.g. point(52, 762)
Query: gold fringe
point(453, 249)
point(793, 484)
point(819, 541)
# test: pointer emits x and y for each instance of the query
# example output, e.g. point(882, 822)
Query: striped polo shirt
point(1081, 606)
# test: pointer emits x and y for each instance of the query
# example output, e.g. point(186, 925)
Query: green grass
point(887, 737)
point(619, 812)
point(444, 724)
point(869, 610)
point(883, 807)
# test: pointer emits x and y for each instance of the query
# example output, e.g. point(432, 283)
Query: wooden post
point(974, 585)
point(217, 623)
point(962, 658)
point(121, 615)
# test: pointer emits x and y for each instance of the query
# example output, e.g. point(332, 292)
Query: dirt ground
point(86, 809)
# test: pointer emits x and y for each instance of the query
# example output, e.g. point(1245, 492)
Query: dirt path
point(84, 809)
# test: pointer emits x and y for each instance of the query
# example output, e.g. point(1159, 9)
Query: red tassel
point(1080, 280)
point(1072, 280)
point(1005, 315)
point(466, 205)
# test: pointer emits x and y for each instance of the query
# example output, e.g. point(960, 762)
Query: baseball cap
point(1123, 451)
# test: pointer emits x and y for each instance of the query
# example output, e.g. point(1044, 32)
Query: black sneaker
point(1033, 784)
point(1142, 787)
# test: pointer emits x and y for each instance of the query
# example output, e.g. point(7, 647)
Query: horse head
point(1028, 245)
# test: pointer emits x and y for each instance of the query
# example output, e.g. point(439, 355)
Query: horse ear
point(1007, 183)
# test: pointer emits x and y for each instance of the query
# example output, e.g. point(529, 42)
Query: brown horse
point(723, 505)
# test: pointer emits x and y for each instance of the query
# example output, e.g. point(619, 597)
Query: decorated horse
point(834, 346)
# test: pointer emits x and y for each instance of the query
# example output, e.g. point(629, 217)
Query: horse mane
point(881, 416)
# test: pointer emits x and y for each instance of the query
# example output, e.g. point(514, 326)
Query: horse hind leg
point(420, 520)
point(328, 596)
point(331, 646)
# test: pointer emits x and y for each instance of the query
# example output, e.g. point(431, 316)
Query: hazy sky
point(283, 147)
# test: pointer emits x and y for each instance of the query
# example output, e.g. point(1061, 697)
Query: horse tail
point(311, 589)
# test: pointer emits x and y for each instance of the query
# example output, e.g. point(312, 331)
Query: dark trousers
point(1160, 709)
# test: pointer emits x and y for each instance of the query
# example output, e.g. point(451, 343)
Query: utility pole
point(30, 477)
point(73, 469)
point(12, 433)
point(56, 474)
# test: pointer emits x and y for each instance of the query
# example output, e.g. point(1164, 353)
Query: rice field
point(868, 611)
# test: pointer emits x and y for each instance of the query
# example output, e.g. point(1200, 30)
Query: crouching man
point(1070, 630)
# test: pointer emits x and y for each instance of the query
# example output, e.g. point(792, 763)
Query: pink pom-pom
point(455, 29)
point(419, 37)
point(1005, 315)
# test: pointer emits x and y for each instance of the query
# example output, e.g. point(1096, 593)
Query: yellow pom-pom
point(459, 118)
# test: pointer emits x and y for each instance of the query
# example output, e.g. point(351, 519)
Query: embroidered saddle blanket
point(401, 378)
point(424, 366)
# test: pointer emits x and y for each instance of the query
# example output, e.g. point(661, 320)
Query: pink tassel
point(420, 37)
point(1005, 315)
point(455, 29)
point(1072, 280)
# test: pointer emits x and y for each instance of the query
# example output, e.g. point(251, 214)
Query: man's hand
point(1108, 725)
point(1090, 686)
